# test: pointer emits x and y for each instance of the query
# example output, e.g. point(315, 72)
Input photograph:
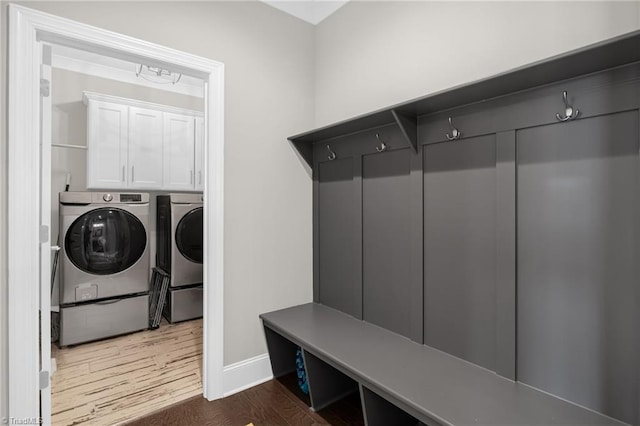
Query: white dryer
point(180, 253)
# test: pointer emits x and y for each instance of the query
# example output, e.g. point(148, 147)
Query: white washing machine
point(180, 253)
point(104, 265)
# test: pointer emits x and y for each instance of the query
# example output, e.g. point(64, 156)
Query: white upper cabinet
point(145, 148)
point(139, 145)
point(199, 157)
point(179, 148)
point(106, 145)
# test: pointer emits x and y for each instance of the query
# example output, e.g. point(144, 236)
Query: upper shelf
point(604, 55)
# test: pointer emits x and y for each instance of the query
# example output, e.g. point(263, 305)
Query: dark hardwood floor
point(274, 403)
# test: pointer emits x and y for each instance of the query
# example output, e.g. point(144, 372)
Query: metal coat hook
point(455, 133)
point(383, 146)
point(569, 112)
point(332, 155)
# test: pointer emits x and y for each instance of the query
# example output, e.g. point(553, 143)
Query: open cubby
point(380, 412)
point(332, 394)
point(326, 384)
point(282, 353)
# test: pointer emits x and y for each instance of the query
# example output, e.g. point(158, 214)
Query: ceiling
point(312, 11)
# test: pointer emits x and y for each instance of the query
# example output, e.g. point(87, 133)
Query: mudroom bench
point(403, 382)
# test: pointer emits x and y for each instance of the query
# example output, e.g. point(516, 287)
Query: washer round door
point(189, 235)
point(105, 241)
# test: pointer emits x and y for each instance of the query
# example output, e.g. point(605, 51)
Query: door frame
point(27, 28)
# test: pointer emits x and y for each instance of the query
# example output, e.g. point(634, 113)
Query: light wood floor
point(120, 379)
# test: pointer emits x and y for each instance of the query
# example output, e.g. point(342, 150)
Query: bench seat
point(429, 385)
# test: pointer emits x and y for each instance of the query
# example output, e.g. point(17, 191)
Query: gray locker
point(336, 220)
point(386, 244)
point(460, 248)
point(578, 289)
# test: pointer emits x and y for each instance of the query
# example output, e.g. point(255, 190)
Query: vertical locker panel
point(386, 241)
point(578, 289)
point(460, 248)
point(336, 221)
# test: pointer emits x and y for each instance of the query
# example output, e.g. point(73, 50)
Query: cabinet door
point(178, 146)
point(145, 148)
point(107, 145)
point(199, 155)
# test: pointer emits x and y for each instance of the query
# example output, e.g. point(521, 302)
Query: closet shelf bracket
point(408, 124)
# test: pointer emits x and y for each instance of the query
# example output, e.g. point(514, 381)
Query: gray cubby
point(282, 353)
point(380, 412)
point(326, 384)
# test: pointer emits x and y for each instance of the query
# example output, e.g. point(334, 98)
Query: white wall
point(69, 126)
point(371, 55)
point(269, 87)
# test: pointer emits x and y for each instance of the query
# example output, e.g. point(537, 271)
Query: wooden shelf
point(604, 55)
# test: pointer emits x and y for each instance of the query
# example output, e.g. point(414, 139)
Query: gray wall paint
point(370, 55)
point(69, 126)
point(269, 87)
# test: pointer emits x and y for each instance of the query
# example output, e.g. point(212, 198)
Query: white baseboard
point(246, 374)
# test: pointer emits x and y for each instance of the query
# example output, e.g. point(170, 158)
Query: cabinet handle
point(132, 170)
point(200, 178)
point(191, 177)
point(123, 173)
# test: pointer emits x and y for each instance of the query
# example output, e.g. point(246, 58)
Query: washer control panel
point(130, 198)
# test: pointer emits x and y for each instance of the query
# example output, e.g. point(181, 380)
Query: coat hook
point(569, 112)
point(383, 146)
point(455, 133)
point(332, 155)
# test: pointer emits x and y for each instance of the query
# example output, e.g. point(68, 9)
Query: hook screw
point(332, 155)
point(383, 146)
point(455, 133)
point(569, 112)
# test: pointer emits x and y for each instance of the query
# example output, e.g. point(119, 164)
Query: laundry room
point(127, 217)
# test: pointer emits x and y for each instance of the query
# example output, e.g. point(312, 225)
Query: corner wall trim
point(246, 374)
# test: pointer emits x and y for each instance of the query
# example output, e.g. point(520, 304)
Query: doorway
point(113, 362)
point(29, 206)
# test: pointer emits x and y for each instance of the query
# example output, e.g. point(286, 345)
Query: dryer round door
point(105, 241)
point(189, 235)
